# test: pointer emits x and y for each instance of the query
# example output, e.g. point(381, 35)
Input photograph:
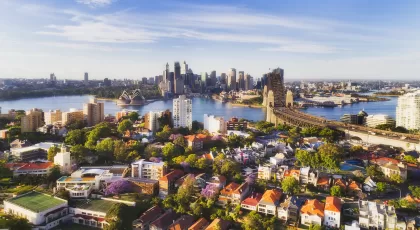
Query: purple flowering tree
point(118, 187)
point(210, 191)
point(250, 179)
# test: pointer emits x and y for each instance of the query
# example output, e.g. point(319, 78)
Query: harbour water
point(200, 106)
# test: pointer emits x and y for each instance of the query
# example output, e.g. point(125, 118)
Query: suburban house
point(289, 210)
point(369, 185)
point(164, 221)
point(251, 202)
point(312, 212)
point(142, 223)
point(233, 192)
point(196, 142)
point(378, 216)
point(354, 188)
point(269, 202)
point(200, 224)
point(183, 222)
point(391, 167)
point(340, 182)
point(219, 224)
point(323, 183)
point(218, 181)
point(332, 212)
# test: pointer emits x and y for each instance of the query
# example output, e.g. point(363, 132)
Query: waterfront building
point(379, 119)
point(231, 79)
point(94, 112)
point(235, 124)
point(52, 117)
point(182, 112)
point(249, 82)
point(72, 115)
point(148, 170)
point(31, 121)
point(213, 78)
point(214, 124)
point(357, 119)
point(223, 78)
point(408, 110)
point(41, 210)
point(86, 78)
point(203, 78)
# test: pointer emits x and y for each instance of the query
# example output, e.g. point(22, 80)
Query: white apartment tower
point(408, 110)
point(94, 112)
point(182, 112)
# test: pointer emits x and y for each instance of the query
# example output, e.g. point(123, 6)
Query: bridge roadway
point(299, 118)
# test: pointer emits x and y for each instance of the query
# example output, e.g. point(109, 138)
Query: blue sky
point(135, 38)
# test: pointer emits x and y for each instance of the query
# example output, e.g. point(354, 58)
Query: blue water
point(200, 106)
point(334, 113)
point(350, 167)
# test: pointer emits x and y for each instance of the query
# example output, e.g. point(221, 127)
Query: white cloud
point(95, 3)
point(303, 48)
point(90, 46)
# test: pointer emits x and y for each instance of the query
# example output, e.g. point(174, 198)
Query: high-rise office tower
point(249, 84)
point(213, 78)
point(107, 82)
point(171, 81)
point(408, 110)
point(184, 68)
point(222, 78)
point(182, 112)
point(31, 121)
point(178, 80)
point(166, 73)
point(177, 69)
point(51, 117)
point(53, 77)
point(204, 78)
point(231, 80)
point(86, 78)
point(241, 80)
point(94, 112)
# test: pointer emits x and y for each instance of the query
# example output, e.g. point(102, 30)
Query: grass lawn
point(94, 205)
point(36, 202)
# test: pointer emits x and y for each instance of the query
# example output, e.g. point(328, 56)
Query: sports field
point(93, 205)
point(36, 202)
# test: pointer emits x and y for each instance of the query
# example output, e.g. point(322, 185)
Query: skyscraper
point(182, 112)
point(86, 78)
point(94, 112)
point(166, 73)
point(213, 78)
point(204, 78)
point(31, 121)
point(231, 81)
point(249, 83)
point(222, 78)
point(241, 80)
point(178, 80)
point(184, 68)
point(408, 110)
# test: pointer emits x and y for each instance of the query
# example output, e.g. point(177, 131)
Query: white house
point(269, 202)
point(42, 210)
point(312, 212)
point(369, 185)
point(332, 212)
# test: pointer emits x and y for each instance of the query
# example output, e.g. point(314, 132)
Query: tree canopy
point(290, 185)
point(52, 151)
point(336, 190)
point(125, 125)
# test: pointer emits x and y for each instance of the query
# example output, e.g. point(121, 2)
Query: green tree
point(315, 227)
point(4, 171)
point(79, 152)
point(180, 141)
point(52, 151)
point(75, 137)
point(133, 116)
point(303, 157)
point(336, 191)
point(99, 131)
point(356, 149)
point(179, 159)
point(75, 124)
point(170, 150)
point(125, 125)
point(202, 163)
point(105, 148)
point(133, 155)
point(120, 151)
point(252, 221)
point(410, 159)
point(192, 160)
point(373, 171)
point(330, 135)
point(164, 134)
point(54, 174)
point(381, 187)
point(415, 190)
point(310, 131)
point(396, 178)
point(290, 185)
point(14, 223)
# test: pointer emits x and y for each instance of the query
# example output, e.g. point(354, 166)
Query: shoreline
point(215, 97)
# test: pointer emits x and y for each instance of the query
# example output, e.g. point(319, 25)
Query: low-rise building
point(64, 160)
point(164, 221)
point(312, 212)
point(142, 223)
point(200, 224)
point(269, 202)
point(289, 210)
point(33, 152)
point(332, 212)
point(214, 124)
point(90, 212)
point(219, 224)
point(251, 202)
point(38, 169)
point(183, 222)
point(167, 182)
point(235, 124)
point(41, 210)
point(147, 169)
point(234, 193)
point(196, 142)
point(144, 185)
point(376, 216)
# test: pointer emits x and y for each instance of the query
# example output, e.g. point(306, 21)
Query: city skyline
point(134, 39)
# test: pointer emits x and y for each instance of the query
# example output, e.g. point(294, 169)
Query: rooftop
point(75, 179)
point(271, 196)
point(253, 199)
point(93, 205)
point(36, 201)
point(333, 204)
point(313, 207)
point(199, 224)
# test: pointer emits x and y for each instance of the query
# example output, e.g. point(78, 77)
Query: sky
point(119, 39)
